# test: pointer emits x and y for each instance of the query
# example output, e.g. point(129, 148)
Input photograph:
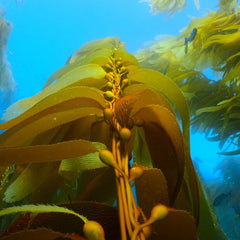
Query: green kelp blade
point(28, 181)
point(165, 143)
point(23, 132)
point(70, 168)
point(166, 86)
point(40, 234)
point(208, 226)
point(66, 98)
point(45, 153)
point(141, 153)
point(151, 189)
point(75, 76)
point(189, 193)
point(40, 208)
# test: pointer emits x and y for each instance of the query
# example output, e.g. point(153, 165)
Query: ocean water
point(46, 32)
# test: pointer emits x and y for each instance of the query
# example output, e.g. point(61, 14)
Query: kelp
point(7, 83)
point(171, 6)
point(163, 6)
point(71, 145)
point(213, 104)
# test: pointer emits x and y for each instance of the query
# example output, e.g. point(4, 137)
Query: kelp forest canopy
point(214, 104)
point(171, 6)
point(92, 117)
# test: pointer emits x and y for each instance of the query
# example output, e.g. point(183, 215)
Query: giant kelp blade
point(66, 98)
point(106, 215)
point(178, 225)
point(141, 153)
point(46, 191)
point(40, 234)
point(135, 97)
point(208, 226)
point(72, 77)
point(99, 56)
point(166, 86)
point(28, 181)
point(70, 168)
point(100, 187)
point(45, 153)
point(21, 133)
point(165, 143)
point(151, 189)
point(40, 209)
point(146, 96)
point(91, 46)
point(188, 198)
point(101, 132)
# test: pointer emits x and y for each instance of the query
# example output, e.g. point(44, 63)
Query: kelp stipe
point(71, 145)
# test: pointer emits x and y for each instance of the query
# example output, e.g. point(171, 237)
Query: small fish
point(221, 199)
point(190, 39)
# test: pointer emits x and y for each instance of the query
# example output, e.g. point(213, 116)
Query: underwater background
point(45, 32)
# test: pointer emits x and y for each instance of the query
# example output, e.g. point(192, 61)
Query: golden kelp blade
point(72, 77)
point(165, 143)
point(78, 95)
point(167, 87)
point(45, 153)
point(21, 133)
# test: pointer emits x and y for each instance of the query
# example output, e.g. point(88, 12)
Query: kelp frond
point(166, 6)
point(73, 142)
point(228, 6)
point(213, 104)
point(7, 83)
point(171, 6)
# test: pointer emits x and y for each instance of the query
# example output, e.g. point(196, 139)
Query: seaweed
point(7, 83)
point(101, 126)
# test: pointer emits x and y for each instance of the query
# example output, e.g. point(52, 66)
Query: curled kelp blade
point(66, 98)
point(165, 143)
point(166, 86)
point(39, 234)
point(151, 189)
point(135, 97)
point(73, 77)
